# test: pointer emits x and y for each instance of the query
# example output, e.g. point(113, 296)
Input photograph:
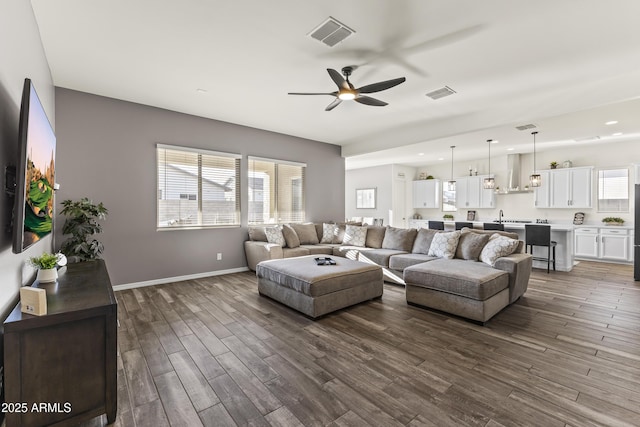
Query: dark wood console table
point(64, 362)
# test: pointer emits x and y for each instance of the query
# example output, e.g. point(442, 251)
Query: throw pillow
point(423, 241)
point(470, 245)
point(400, 239)
point(306, 233)
point(497, 246)
point(274, 235)
point(338, 233)
point(375, 236)
point(290, 236)
point(354, 235)
point(328, 231)
point(256, 233)
point(444, 245)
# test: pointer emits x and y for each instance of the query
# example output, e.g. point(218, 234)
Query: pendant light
point(489, 183)
point(535, 180)
point(451, 184)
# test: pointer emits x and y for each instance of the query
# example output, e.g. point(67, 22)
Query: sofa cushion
point(509, 234)
point(399, 239)
point(470, 245)
point(290, 236)
point(497, 246)
point(256, 234)
point(318, 249)
point(423, 241)
point(378, 256)
point(294, 252)
point(375, 236)
point(469, 279)
point(402, 261)
point(306, 233)
point(444, 245)
point(355, 235)
point(275, 236)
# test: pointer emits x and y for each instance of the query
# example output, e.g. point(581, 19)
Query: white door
point(398, 203)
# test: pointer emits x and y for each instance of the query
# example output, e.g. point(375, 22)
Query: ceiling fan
point(346, 91)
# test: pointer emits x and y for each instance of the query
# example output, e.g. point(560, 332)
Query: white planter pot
point(48, 275)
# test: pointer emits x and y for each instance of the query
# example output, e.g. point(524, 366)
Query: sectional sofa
point(470, 273)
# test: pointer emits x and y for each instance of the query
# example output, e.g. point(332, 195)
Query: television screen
point(33, 215)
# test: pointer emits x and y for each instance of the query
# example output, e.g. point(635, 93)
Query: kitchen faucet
point(500, 215)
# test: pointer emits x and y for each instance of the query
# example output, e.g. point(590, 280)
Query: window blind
point(276, 191)
point(197, 188)
point(613, 190)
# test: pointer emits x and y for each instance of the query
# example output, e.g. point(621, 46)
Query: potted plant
point(447, 217)
point(613, 220)
point(553, 165)
point(46, 266)
point(81, 223)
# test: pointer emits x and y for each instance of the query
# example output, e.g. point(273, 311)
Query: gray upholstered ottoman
point(316, 290)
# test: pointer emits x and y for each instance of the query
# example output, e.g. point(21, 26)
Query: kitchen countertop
point(555, 227)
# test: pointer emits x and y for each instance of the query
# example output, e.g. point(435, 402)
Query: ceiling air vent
point(441, 93)
point(331, 32)
point(525, 127)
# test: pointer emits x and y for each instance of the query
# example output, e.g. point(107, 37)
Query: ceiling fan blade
point(333, 105)
point(377, 87)
point(367, 100)
point(338, 79)
point(312, 93)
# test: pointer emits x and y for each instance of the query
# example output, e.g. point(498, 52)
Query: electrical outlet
point(219, 257)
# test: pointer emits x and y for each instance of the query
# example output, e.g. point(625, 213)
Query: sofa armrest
point(261, 251)
point(518, 266)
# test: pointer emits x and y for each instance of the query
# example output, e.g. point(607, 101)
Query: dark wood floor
point(213, 352)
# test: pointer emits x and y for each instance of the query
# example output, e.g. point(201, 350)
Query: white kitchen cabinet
point(471, 194)
point(426, 194)
point(614, 244)
point(565, 188)
point(586, 242)
point(541, 194)
point(604, 243)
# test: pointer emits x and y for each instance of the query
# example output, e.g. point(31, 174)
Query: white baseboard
point(178, 278)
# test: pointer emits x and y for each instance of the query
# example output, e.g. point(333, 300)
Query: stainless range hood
point(513, 176)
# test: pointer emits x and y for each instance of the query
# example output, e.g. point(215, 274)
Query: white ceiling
point(567, 66)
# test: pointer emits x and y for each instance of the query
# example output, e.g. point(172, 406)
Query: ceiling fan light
point(346, 95)
point(489, 183)
point(535, 180)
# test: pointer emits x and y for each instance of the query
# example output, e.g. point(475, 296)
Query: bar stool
point(540, 235)
point(462, 224)
point(436, 225)
point(493, 226)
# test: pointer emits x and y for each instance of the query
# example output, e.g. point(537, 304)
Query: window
point(276, 191)
point(613, 190)
point(197, 188)
point(449, 197)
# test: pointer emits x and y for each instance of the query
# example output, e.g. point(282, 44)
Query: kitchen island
point(560, 233)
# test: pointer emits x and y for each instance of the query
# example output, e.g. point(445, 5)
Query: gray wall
point(106, 151)
point(21, 55)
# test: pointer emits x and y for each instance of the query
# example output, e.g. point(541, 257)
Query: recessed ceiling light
point(495, 141)
point(611, 122)
point(616, 134)
point(510, 149)
point(420, 154)
point(201, 90)
point(440, 158)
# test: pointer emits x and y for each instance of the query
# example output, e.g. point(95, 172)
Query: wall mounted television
point(35, 175)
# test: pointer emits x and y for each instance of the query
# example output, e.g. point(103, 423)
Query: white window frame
point(600, 189)
point(274, 214)
point(203, 221)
